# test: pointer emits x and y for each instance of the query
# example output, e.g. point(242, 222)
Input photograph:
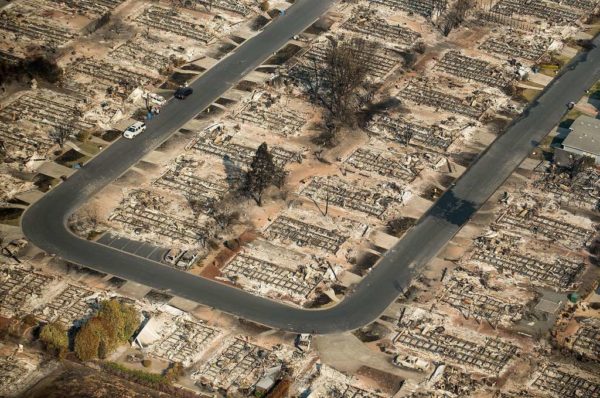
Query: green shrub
point(174, 372)
point(55, 338)
point(114, 324)
point(87, 341)
point(139, 376)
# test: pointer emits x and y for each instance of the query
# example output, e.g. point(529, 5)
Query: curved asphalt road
point(44, 223)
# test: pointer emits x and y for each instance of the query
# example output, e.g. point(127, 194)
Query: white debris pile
point(239, 365)
point(159, 219)
point(72, 305)
point(21, 290)
point(173, 335)
point(11, 186)
point(331, 383)
point(293, 276)
point(13, 375)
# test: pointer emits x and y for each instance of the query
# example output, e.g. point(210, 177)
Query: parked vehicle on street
point(154, 99)
point(134, 130)
point(183, 92)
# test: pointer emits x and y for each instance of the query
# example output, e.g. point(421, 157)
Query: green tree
point(261, 174)
point(55, 338)
point(121, 317)
point(87, 341)
point(112, 318)
point(131, 321)
point(114, 324)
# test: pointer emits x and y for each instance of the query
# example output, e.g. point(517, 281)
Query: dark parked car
point(183, 92)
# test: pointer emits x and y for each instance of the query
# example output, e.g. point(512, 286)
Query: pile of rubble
point(586, 340)
point(235, 6)
point(146, 215)
point(222, 146)
point(103, 76)
point(337, 192)
point(457, 64)
point(423, 93)
point(293, 277)
point(560, 274)
point(72, 305)
point(469, 293)
point(89, 7)
point(15, 28)
point(13, 374)
point(20, 290)
point(238, 366)
point(367, 22)
point(581, 190)
point(408, 133)
point(137, 54)
point(584, 5)
point(171, 21)
point(267, 112)
point(529, 220)
point(538, 9)
point(452, 381)
point(11, 186)
point(488, 356)
point(426, 8)
point(287, 229)
point(380, 163)
point(181, 179)
point(514, 45)
point(173, 336)
point(379, 60)
point(17, 143)
point(558, 383)
point(334, 384)
point(50, 109)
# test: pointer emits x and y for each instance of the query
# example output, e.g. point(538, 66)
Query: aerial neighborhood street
point(300, 198)
point(45, 222)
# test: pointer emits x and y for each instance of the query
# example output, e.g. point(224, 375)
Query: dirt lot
point(75, 381)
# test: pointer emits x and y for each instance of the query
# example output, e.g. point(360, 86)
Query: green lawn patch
point(595, 91)
point(89, 147)
point(569, 118)
point(527, 94)
point(138, 376)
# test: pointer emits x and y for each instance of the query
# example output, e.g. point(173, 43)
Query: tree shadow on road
point(453, 209)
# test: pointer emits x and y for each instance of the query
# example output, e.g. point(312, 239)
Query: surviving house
point(584, 138)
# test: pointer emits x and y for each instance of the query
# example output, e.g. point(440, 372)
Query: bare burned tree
point(116, 29)
point(405, 135)
point(339, 81)
point(61, 133)
point(455, 16)
point(85, 223)
point(176, 5)
point(208, 4)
